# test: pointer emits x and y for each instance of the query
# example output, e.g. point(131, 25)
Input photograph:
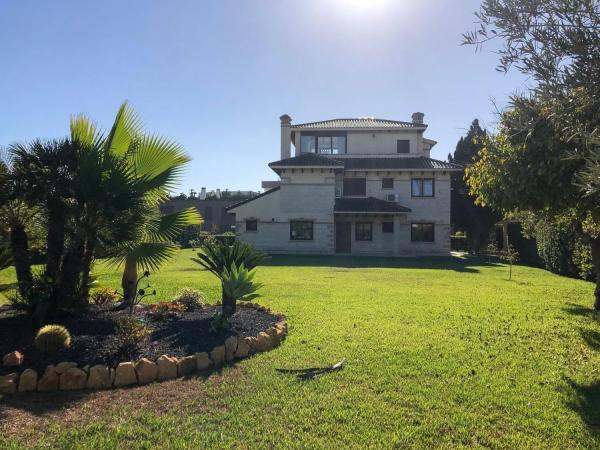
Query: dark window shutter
point(403, 146)
point(355, 186)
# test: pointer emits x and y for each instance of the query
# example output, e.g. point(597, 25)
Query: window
point(301, 230)
point(307, 144)
point(251, 225)
point(338, 145)
point(422, 187)
point(208, 213)
point(355, 187)
point(403, 146)
point(422, 232)
point(325, 143)
point(387, 227)
point(363, 231)
point(387, 183)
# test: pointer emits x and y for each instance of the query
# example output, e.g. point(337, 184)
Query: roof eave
point(372, 212)
point(405, 128)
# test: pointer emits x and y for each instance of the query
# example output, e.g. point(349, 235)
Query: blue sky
point(216, 75)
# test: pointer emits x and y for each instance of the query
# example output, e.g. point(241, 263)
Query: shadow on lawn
point(49, 404)
point(583, 311)
point(585, 401)
point(467, 264)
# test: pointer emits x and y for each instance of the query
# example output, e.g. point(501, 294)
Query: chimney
point(286, 136)
point(417, 118)
point(203, 193)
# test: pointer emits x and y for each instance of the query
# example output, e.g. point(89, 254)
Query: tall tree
point(475, 220)
point(547, 149)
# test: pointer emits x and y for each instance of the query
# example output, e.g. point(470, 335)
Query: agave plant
point(221, 259)
point(238, 284)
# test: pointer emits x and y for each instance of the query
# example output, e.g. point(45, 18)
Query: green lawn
point(440, 352)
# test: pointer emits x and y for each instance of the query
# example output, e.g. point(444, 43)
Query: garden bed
point(95, 341)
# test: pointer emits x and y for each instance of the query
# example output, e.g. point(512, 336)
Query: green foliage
point(42, 300)
point(52, 338)
point(476, 220)
point(131, 330)
point(238, 283)
point(190, 236)
point(190, 298)
point(545, 159)
point(216, 256)
point(105, 296)
point(226, 261)
point(559, 244)
point(219, 323)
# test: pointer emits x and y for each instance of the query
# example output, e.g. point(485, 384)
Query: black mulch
point(94, 340)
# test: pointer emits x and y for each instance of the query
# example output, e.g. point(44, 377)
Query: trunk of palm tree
point(70, 275)
point(88, 256)
point(129, 280)
point(595, 246)
point(228, 305)
point(55, 243)
point(20, 254)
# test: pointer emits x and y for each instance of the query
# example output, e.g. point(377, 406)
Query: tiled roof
point(369, 204)
point(359, 122)
point(372, 163)
point(307, 160)
point(243, 202)
point(382, 163)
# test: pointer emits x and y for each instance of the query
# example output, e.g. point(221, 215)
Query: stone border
point(67, 376)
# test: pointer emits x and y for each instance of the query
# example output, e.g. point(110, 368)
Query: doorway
point(343, 237)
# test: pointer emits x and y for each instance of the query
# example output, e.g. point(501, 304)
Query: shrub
point(52, 338)
point(131, 331)
point(105, 296)
point(190, 298)
point(165, 310)
point(219, 258)
point(219, 323)
point(42, 300)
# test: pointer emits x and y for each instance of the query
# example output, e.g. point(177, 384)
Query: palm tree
point(155, 164)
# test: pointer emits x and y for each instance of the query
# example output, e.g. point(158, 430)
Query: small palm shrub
point(105, 296)
point(219, 258)
point(190, 298)
point(131, 331)
point(52, 338)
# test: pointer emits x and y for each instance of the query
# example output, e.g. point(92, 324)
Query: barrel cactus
point(52, 338)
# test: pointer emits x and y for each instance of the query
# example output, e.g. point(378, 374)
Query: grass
point(440, 352)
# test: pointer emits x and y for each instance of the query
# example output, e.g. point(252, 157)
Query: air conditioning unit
point(391, 198)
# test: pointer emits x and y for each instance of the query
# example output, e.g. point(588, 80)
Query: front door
point(343, 237)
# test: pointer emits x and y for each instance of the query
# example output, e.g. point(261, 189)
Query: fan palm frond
point(158, 163)
point(169, 226)
point(126, 128)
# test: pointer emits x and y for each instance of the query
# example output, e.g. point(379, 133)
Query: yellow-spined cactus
point(52, 338)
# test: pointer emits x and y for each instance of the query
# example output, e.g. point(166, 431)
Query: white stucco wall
point(382, 142)
point(310, 195)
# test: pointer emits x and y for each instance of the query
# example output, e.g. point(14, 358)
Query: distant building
point(211, 205)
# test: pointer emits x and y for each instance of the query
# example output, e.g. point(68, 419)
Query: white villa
point(359, 186)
